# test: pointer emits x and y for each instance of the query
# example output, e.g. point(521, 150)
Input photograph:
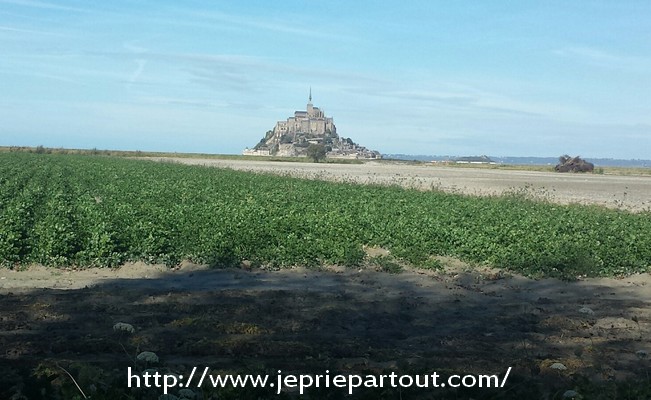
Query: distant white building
point(254, 152)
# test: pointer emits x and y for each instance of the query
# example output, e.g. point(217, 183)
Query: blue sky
point(503, 78)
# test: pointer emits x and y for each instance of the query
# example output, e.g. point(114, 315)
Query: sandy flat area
point(474, 320)
point(615, 191)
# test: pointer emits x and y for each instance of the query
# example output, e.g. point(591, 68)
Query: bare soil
point(463, 318)
point(472, 320)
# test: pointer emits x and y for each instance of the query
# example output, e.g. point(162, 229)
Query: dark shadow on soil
point(308, 322)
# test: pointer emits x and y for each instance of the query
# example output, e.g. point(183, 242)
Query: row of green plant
point(101, 211)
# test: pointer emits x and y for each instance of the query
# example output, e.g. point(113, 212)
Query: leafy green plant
point(102, 211)
point(386, 264)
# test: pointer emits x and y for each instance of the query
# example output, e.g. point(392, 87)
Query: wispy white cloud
point(464, 100)
point(244, 73)
point(185, 102)
point(43, 5)
point(134, 47)
point(30, 31)
point(265, 23)
point(140, 67)
point(604, 59)
point(211, 20)
point(42, 75)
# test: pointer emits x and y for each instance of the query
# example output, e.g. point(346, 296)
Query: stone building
point(293, 136)
point(311, 122)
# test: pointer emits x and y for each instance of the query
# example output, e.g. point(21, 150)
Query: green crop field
point(60, 210)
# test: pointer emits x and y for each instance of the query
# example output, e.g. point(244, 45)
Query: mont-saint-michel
point(293, 136)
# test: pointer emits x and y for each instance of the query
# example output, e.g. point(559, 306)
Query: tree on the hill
point(316, 152)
